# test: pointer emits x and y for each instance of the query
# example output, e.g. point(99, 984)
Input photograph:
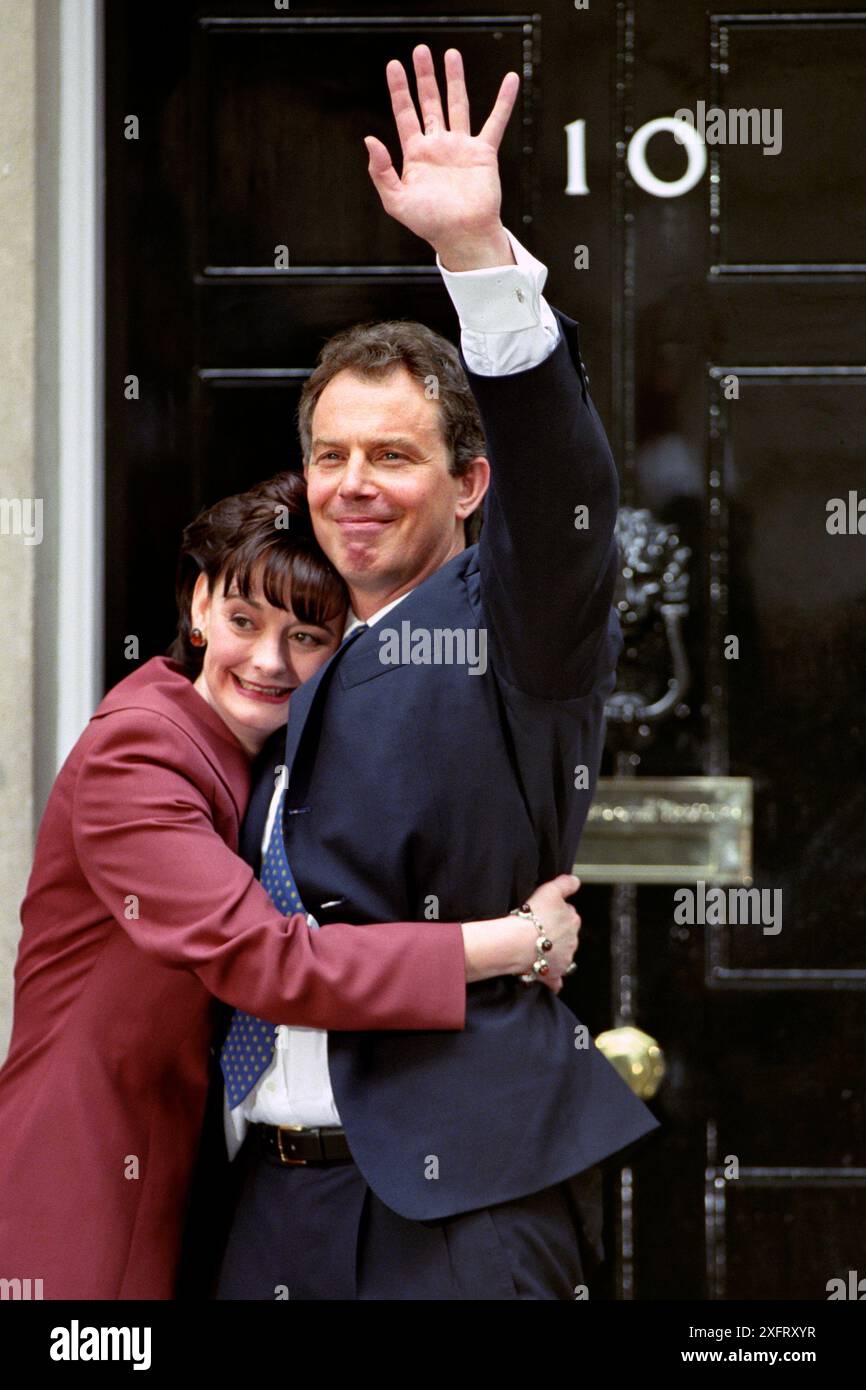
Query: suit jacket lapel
point(430, 605)
point(305, 697)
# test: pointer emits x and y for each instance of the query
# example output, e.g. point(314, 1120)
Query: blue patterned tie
point(249, 1046)
point(250, 1041)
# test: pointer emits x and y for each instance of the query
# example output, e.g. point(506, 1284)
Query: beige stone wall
point(17, 464)
point(28, 198)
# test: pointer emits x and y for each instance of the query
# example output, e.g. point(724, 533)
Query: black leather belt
point(293, 1144)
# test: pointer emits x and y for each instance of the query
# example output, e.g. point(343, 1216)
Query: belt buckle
point(283, 1157)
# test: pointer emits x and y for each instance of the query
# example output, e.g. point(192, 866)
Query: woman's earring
point(197, 638)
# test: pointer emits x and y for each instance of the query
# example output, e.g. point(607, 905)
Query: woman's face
point(256, 655)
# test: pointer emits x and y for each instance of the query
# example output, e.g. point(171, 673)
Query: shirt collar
point(353, 621)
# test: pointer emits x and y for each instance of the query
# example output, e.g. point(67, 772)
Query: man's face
point(385, 508)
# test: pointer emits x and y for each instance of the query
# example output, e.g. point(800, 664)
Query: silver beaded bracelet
point(543, 944)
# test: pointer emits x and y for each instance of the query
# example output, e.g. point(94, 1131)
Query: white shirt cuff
point(506, 324)
point(499, 298)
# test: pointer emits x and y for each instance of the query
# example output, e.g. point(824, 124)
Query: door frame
point(80, 533)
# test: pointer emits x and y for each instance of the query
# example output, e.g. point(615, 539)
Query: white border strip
point(79, 672)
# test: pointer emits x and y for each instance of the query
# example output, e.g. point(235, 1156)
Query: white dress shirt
point(506, 326)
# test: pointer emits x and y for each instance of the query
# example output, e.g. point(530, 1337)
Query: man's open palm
point(450, 180)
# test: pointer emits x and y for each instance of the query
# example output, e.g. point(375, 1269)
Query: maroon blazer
point(137, 913)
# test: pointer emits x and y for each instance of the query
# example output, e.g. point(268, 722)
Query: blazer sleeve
point(547, 580)
point(145, 837)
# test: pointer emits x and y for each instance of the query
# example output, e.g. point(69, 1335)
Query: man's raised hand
point(449, 191)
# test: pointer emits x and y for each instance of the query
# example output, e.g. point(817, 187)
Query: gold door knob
point(636, 1056)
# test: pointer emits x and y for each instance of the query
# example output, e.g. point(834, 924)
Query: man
point(469, 693)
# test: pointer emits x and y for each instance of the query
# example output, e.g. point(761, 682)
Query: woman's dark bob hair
point(263, 536)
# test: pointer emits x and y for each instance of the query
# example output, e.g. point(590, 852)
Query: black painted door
point(721, 320)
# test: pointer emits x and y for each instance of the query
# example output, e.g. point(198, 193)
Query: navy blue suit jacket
point(422, 788)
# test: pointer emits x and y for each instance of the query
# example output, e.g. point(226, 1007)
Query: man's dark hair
point(377, 349)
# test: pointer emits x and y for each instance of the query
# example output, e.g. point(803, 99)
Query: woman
point(139, 915)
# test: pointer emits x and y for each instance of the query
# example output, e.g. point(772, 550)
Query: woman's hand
point(506, 945)
point(561, 925)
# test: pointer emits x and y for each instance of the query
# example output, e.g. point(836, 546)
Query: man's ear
point(474, 484)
